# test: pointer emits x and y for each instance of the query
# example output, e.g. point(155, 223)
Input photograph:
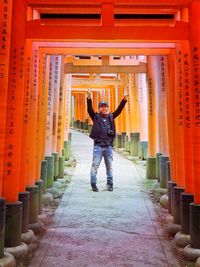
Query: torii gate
point(175, 38)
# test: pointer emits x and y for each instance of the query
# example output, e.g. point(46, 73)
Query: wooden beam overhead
point(116, 2)
point(70, 69)
point(104, 51)
point(146, 33)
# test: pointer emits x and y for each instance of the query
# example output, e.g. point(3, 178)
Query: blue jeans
point(98, 153)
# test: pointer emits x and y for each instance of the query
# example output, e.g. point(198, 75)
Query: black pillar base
point(40, 187)
point(195, 225)
point(24, 197)
point(2, 225)
point(13, 224)
point(186, 199)
point(177, 204)
point(33, 214)
point(171, 185)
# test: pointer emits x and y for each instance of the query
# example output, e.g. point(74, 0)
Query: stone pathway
point(104, 229)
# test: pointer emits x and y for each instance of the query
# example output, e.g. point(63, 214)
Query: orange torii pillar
point(182, 238)
point(127, 115)
point(13, 130)
point(152, 126)
point(171, 123)
point(95, 101)
point(142, 105)
point(72, 111)
point(43, 83)
point(41, 165)
point(134, 114)
point(49, 124)
point(34, 185)
point(123, 118)
point(85, 120)
point(194, 20)
point(5, 34)
point(119, 93)
point(178, 136)
point(83, 113)
point(56, 93)
point(24, 196)
point(162, 128)
point(67, 134)
point(60, 123)
point(76, 110)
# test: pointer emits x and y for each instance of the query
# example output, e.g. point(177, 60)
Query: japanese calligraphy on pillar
point(49, 122)
point(56, 100)
point(150, 95)
point(140, 87)
point(196, 84)
point(180, 89)
point(68, 98)
point(187, 96)
point(5, 27)
point(163, 71)
point(27, 91)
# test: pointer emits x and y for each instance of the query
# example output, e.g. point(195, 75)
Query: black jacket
point(95, 118)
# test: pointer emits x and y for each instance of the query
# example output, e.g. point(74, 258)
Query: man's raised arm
point(120, 107)
point(90, 109)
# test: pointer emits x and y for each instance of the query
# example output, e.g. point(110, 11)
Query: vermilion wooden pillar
point(61, 109)
point(26, 119)
point(5, 34)
point(33, 112)
point(179, 139)
point(152, 117)
point(56, 101)
point(194, 23)
point(15, 100)
point(142, 101)
point(162, 72)
point(49, 122)
point(14, 118)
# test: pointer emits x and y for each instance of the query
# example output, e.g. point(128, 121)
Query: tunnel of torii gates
point(53, 51)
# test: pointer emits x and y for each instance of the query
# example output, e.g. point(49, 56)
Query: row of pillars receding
point(35, 140)
point(161, 124)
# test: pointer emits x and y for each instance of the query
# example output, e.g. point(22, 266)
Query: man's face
point(104, 109)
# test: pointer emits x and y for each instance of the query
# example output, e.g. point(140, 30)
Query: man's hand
point(126, 96)
point(89, 94)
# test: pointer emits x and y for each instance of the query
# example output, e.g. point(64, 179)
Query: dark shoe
point(94, 188)
point(109, 187)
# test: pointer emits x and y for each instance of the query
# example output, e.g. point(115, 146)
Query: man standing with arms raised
point(103, 133)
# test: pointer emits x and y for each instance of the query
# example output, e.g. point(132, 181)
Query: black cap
point(103, 102)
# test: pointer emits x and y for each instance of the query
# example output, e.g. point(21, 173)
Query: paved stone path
point(104, 229)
